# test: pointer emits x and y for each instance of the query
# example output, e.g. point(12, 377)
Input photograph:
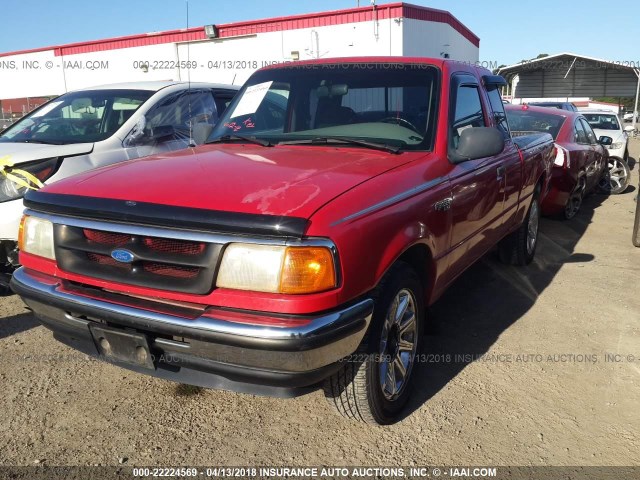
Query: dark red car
point(580, 157)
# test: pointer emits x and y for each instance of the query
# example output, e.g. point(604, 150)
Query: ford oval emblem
point(122, 256)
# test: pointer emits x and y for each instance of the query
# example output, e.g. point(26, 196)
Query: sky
point(509, 31)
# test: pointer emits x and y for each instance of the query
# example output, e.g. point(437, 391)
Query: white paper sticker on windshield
point(46, 109)
point(251, 99)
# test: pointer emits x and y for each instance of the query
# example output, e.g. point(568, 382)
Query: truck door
point(513, 172)
point(478, 186)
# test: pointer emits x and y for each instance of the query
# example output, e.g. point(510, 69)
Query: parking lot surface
point(527, 366)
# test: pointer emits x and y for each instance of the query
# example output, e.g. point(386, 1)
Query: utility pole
point(635, 108)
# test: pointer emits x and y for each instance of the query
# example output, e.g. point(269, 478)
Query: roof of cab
point(157, 86)
point(432, 61)
point(330, 61)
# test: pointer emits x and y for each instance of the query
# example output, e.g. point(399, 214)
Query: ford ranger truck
point(300, 247)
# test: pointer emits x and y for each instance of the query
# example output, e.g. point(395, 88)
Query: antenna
point(192, 143)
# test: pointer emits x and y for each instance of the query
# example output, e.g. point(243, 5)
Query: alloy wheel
point(575, 199)
point(617, 174)
point(398, 344)
point(532, 227)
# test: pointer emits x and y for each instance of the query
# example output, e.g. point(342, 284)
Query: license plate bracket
point(120, 346)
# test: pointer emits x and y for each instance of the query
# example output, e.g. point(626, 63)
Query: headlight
point(277, 269)
point(616, 146)
point(36, 237)
point(42, 170)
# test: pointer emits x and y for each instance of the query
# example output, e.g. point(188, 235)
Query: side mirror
point(477, 142)
point(161, 132)
point(605, 141)
point(628, 129)
point(136, 135)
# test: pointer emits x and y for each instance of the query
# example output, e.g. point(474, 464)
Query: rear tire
point(576, 197)
point(375, 386)
point(519, 247)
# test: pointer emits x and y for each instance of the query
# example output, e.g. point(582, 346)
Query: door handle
point(500, 171)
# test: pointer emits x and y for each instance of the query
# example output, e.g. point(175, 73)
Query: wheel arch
point(418, 256)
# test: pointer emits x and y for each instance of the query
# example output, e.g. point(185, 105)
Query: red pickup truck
point(335, 200)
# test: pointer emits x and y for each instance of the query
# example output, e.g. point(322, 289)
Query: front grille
point(106, 238)
point(158, 263)
point(106, 260)
point(174, 246)
point(175, 271)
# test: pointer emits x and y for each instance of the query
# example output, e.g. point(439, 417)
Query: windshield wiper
point(345, 140)
point(43, 142)
point(233, 138)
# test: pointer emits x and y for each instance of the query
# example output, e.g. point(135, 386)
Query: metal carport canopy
point(571, 75)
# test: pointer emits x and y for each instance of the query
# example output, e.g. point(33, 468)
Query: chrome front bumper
point(206, 350)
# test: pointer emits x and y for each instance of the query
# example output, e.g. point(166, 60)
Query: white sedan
point(606, 123)
point(95, 127)
point(628, 117)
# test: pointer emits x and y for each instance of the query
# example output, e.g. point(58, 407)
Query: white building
point(238, 49)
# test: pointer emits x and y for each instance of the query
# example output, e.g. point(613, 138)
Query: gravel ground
point(524, 403)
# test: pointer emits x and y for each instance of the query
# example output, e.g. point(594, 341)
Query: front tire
point(617, 178)
point(375, 386)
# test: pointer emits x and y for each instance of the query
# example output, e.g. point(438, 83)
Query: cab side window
point(222, 101)
point(499, 115)
point(467, 112)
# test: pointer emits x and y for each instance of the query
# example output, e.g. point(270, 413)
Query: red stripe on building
point(20, 105)
point(440, 16)
point(253, 27)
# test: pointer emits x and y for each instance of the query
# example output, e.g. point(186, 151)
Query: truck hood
point(285, 180)
point(28, 152)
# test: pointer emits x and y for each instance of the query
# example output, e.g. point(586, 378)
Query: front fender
point(414, 235)
point(373, 236)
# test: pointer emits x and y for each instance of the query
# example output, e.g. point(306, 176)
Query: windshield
point(602, 121)
point(526, 122)
point(78, 117)
point(390, 104)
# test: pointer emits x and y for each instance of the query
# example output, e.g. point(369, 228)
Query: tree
point(627, 103)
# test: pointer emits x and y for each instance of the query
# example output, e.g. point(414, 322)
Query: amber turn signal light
point(21, 233)
point(307, 270)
